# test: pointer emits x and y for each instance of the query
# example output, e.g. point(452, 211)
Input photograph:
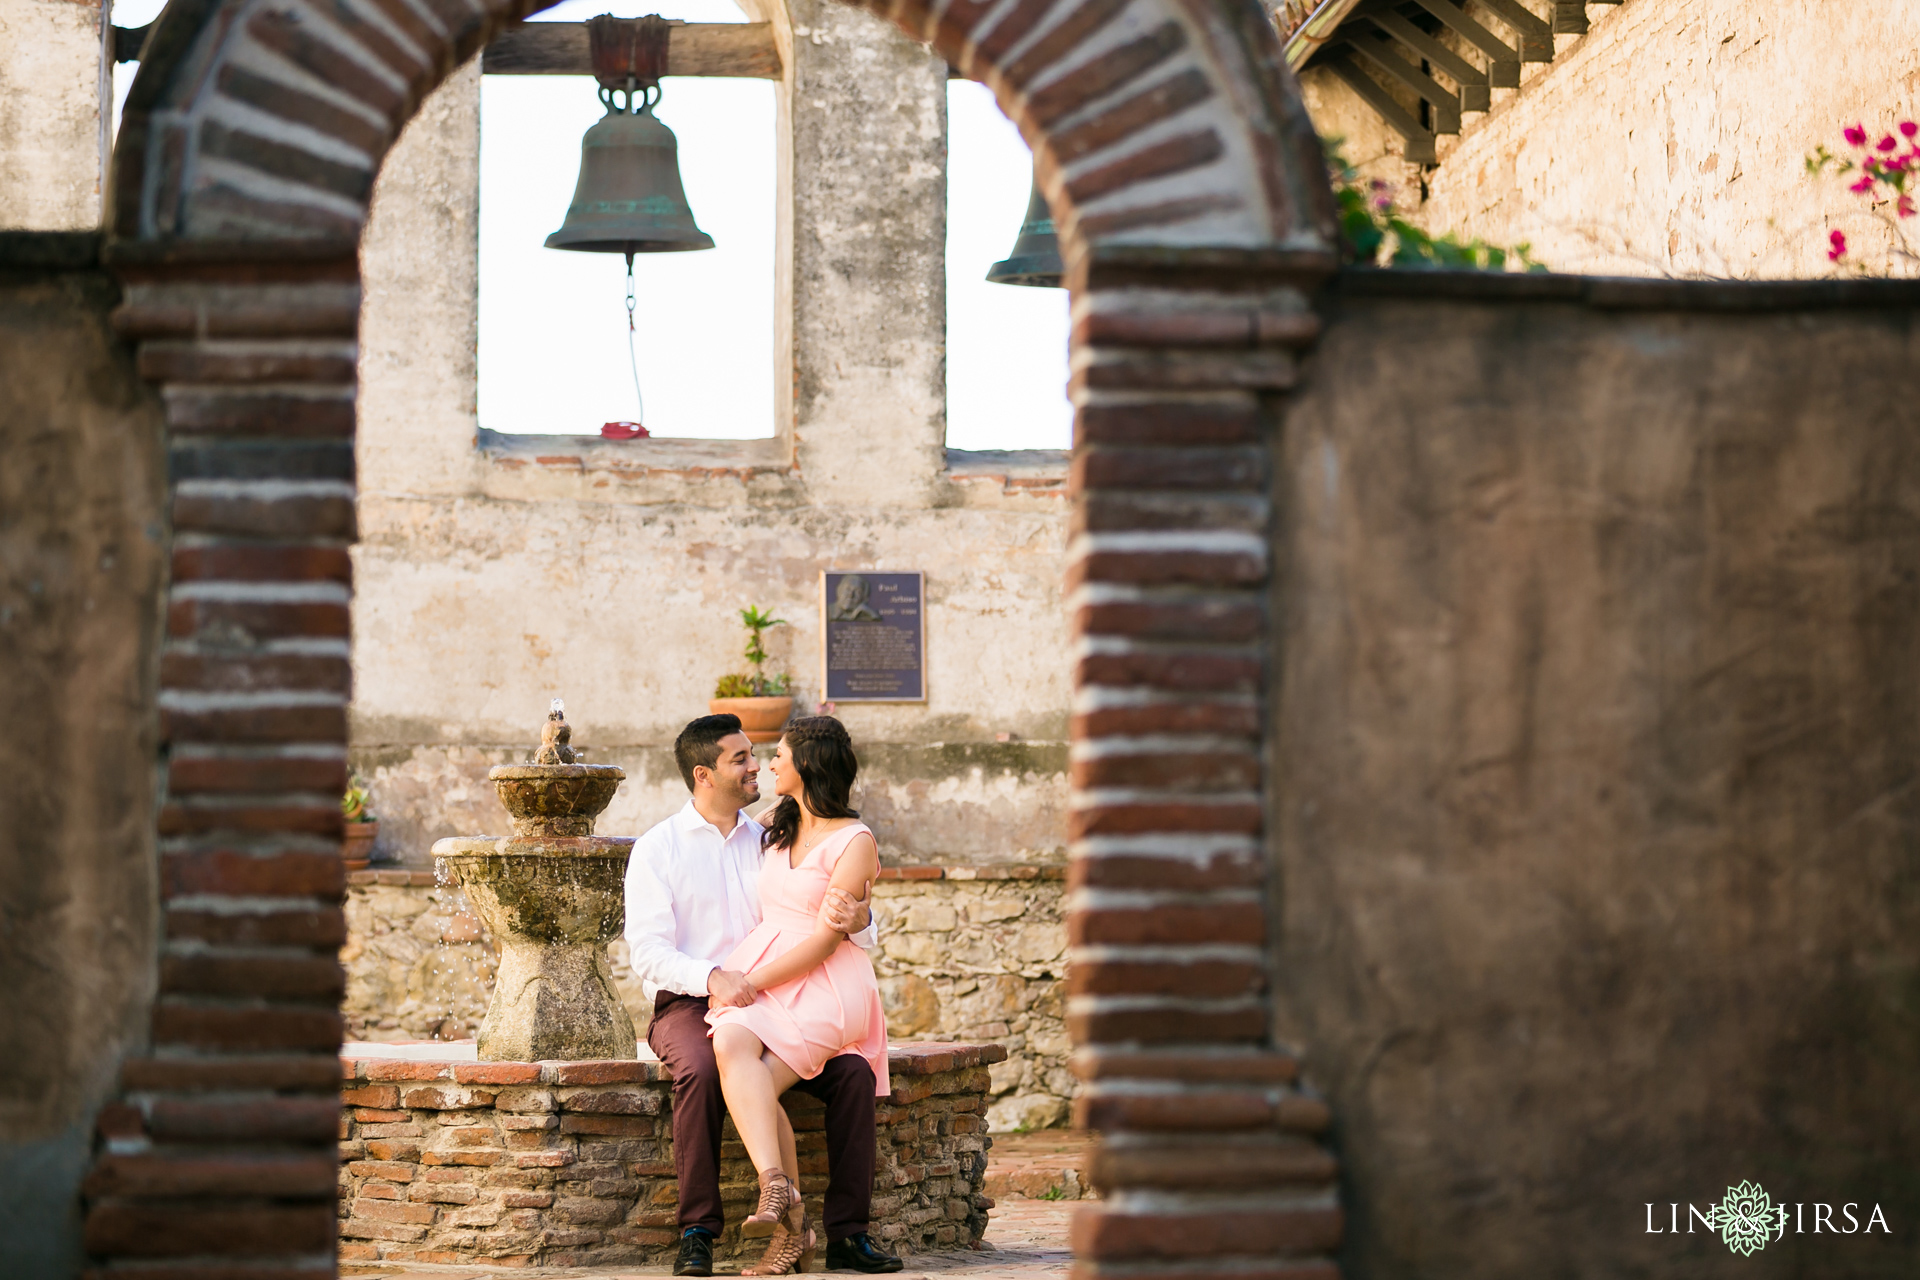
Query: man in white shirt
point(692, 895)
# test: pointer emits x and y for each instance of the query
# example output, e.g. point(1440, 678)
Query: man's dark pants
point(679, 1037)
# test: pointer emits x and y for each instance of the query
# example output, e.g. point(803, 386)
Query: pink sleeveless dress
point(831, 1009)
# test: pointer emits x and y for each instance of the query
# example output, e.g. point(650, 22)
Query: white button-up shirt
point(692, 895)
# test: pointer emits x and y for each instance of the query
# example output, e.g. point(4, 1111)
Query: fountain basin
point(555, 799)
point(554, 894)
point(554, 903)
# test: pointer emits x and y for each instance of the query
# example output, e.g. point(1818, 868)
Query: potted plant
point(762, 702)
point(362, 826)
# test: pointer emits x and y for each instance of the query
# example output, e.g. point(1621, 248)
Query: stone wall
point(571, 1163)
point(494, 571)
point(1594, 766)
point(82, 557)
point(966, 953)
point(1668, 140)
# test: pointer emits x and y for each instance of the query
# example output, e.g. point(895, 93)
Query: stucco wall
point(54, 114)
point(81, 563)
point(1669, 139)
point(489, 579)
point(1597, 828)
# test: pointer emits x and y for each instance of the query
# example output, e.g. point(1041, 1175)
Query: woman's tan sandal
point(789, 1251)
point(778, 1195)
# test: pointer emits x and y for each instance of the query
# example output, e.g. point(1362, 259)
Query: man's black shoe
point(860, 1253)
point(696, 1254)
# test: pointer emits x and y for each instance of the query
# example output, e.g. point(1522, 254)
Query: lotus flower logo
point(1744, 1218)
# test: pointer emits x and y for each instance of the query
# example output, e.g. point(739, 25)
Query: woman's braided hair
point(822, 752)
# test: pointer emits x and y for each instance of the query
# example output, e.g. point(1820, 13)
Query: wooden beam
point(1536, 36)
point(1570, 17)
point(1378, 49)
point(1419, 140)
point(740, 49)
point(1503, 64)
point(1474, 92)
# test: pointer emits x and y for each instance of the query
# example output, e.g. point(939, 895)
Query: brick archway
point(1196, 219)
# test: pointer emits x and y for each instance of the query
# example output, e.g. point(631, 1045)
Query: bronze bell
point(1035, 259)
point(629, 198)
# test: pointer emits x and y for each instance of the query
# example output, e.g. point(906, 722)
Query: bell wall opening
point(300, 485)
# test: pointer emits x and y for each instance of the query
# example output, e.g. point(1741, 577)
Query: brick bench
point(447, 1159)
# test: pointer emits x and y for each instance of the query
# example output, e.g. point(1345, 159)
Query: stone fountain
point(553, 893)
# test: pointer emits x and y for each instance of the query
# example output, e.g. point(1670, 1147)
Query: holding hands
point(839, 911)
point(727, 987)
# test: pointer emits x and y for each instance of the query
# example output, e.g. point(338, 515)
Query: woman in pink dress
point(816, 994)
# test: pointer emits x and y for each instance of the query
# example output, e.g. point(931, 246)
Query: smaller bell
point(1035, 259)
point(629, 198)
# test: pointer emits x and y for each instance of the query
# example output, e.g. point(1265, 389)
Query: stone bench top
point(455, 1060)
point(417, 879)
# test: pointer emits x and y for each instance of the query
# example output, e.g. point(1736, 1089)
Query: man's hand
point(726, 987)
point(845, 913)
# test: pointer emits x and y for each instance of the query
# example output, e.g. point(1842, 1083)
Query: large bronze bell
point(629, 198)
point(1035, 259)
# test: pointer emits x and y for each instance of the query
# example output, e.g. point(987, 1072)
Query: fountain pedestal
point(553, 893)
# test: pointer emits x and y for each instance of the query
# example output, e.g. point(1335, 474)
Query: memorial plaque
point(875, 646)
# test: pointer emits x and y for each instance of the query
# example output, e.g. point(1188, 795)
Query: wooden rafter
point(1475, 90)
point(1382, 48)
point(1418, 138)
point(1445, 106)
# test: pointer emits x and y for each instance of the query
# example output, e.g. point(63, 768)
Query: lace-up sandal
point(778, 1196)
point(790, 1250)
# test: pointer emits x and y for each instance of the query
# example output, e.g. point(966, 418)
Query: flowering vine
point(1889, 170)
point(1373, 232)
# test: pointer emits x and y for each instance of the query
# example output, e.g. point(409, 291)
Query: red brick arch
point(1196, 219)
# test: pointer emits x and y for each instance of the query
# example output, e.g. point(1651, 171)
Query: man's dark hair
point(699, 743)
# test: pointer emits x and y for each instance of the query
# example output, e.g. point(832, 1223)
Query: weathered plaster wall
point(1669, 139)
point(1597, 827)
point(55, 114)
point(980, 959)
point(81, 563)
point(489, 579)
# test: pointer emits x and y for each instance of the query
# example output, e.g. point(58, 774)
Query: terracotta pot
point(762, 718)
point(357, 852)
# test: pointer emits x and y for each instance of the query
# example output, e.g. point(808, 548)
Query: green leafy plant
point(758, 684)
point(353, 805)
point(1054, 1192)
point(1373, 232)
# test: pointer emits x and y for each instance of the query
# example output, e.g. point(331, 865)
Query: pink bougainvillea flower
point(1863, 184)
point(1904, 206)
point(1908, 128)
point(1886, 144)
point(1839, 249)
point(1856, 134)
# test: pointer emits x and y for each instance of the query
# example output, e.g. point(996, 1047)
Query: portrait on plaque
point(874, 642)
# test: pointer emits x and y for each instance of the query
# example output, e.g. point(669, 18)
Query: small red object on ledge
point(623, 431)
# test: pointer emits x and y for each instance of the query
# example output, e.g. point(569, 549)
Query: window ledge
point(595, 453)
point(1018, 470)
